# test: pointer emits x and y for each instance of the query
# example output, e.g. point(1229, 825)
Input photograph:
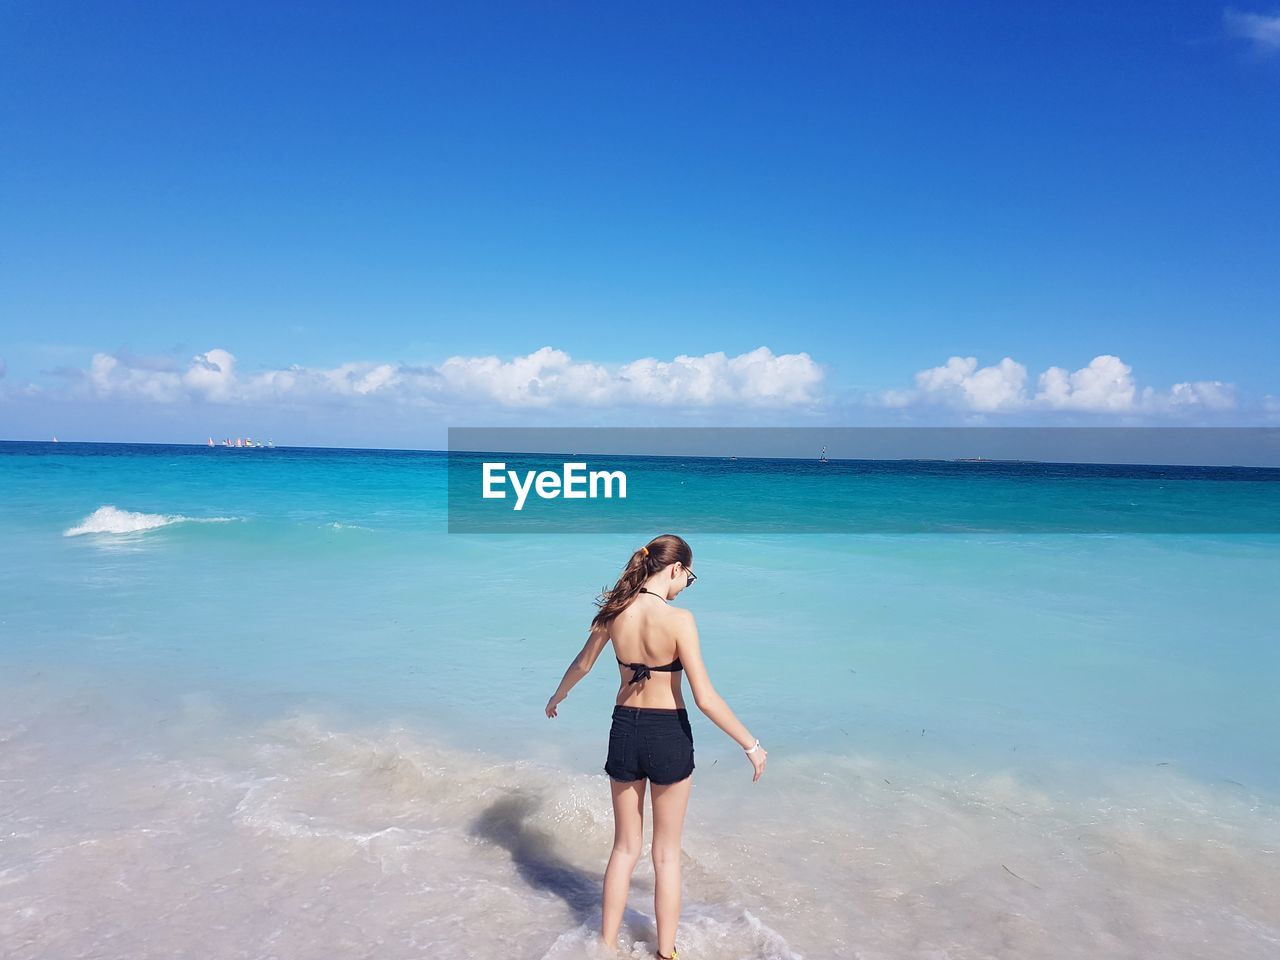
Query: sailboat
point(822, 458)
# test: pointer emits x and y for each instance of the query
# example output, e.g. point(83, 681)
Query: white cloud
point(1260, 29)
point(1202, 394)
point(115, 375)
point(758, 377)
point(212, 375)
point(551, 380)
point(544, 378)
point(960, 382)
point(1104, 385)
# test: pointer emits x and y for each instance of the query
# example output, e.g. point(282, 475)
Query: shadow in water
point(542, 868)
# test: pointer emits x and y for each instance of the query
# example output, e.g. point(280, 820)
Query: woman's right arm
point(704, 694)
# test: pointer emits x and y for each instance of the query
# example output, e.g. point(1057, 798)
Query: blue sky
point(403, 204)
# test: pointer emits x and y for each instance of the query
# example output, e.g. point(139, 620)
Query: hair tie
point(645, 551)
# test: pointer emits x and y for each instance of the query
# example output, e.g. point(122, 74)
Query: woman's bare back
point(646, 632)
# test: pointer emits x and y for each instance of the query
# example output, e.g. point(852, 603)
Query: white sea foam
point(112, 520)
point(323, 839)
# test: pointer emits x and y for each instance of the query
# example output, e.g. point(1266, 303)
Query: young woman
point(651, 740)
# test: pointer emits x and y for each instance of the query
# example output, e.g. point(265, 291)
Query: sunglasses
point(692, 577)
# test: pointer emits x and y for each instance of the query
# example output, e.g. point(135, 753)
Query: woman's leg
point(669, 805)
point(628, 836)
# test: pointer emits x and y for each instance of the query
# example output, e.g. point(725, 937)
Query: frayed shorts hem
point(656, 783)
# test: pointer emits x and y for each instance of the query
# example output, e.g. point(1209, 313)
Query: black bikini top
point(641, 671)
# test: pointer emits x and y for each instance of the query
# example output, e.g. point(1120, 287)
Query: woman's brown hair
point(652, 557)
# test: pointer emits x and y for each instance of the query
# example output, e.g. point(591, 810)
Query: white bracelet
point(753, 749)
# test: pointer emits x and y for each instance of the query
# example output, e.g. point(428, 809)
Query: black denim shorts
point(650, 742)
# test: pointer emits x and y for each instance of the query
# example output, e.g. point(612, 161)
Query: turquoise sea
point(261, 703)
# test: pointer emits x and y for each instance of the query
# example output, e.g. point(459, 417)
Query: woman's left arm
point(581, 665)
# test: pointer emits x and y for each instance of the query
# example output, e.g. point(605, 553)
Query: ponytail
point(656, 554)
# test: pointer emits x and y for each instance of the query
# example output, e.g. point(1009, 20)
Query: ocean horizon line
point(655, 456)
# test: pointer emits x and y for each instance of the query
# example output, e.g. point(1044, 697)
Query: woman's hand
point(757, 760)
point(552, 703)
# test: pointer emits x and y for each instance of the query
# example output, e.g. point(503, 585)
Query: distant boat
point(55, 439)
point(244, 443)
point(823, 457)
